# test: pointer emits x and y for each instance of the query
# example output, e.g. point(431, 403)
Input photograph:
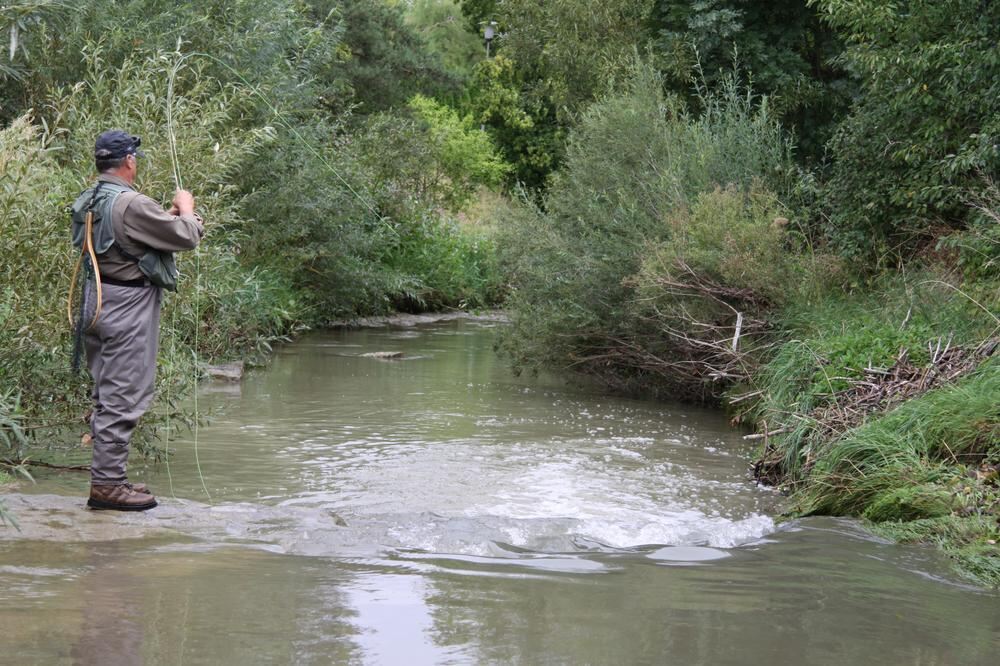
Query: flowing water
point(435, 509)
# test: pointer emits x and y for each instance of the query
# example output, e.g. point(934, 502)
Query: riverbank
point(884, 407)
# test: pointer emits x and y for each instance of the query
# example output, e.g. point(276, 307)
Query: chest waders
point(94, 234)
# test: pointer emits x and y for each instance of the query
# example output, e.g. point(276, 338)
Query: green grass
point(831, 340)
point(966, 540)
point(907, 473)
point(924, 441)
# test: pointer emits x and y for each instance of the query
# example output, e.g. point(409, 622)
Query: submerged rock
point(230, 372)
point(386, 355)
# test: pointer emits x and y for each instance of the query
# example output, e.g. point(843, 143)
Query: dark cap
point(115, 144)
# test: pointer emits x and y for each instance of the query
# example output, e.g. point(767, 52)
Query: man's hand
point(183, 203)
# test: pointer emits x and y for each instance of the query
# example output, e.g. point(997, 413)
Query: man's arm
point(179, 228)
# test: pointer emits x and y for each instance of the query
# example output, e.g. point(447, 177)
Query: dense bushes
point(924, 133)
point(650, 241)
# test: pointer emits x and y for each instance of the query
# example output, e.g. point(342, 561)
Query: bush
point(923, 132)
point(451, 264)
point(646, 186)
point(439, 159)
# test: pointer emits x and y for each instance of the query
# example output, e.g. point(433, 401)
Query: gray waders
point(121, 355)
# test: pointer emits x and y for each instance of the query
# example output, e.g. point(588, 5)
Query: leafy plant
point(922, 134)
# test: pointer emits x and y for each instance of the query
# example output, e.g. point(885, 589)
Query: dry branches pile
point(697, 336)
point(881, 389)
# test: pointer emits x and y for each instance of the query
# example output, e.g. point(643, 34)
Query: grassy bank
point(886, 405)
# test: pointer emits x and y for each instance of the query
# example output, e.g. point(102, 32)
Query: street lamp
point(489, 32)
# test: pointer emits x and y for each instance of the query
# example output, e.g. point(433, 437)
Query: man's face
point(131, 167)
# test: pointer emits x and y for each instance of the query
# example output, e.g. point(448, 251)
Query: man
point(134, 239)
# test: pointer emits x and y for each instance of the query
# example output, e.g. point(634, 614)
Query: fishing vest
point(158, 267)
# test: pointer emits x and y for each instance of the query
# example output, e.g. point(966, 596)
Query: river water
point(435, 509)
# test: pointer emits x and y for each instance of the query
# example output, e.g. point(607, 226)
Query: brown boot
point(139, 487)
point(122, 497)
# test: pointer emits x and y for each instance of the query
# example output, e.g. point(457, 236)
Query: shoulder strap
point(130, 195)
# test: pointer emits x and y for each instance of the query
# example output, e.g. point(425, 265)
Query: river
point(436, 509)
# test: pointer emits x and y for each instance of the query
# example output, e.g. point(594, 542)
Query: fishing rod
point(175, 167)
point(279, 114)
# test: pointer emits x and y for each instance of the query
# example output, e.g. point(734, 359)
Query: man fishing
point(127, 242)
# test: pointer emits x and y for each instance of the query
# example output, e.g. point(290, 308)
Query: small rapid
point(444, 451)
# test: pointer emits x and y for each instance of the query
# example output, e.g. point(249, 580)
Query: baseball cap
point(115, 144)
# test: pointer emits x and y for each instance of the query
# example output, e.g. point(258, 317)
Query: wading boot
point(139, 487)
point(121, 497)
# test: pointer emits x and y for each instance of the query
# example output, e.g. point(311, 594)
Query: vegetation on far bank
point(794, 218)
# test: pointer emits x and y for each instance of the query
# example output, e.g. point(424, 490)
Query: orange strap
point(88, 250)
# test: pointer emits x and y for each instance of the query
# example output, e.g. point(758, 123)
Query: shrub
point(645, 185)
point(439, 159)
point(923, 132)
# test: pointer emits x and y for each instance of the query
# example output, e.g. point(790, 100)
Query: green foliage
point(478, 11)
point(342, 227)
point(728, 238)
point(34, 263)
point(784, 46)
point(447, 33)
point(464, 155)
point(308, 224)
point(570, 50)
point(924, 130)
point(977, 248)
point(451, 265)
point(559, 57)
point(639, 190)
point(385, 61)
point(440, 159)
point(525, 130)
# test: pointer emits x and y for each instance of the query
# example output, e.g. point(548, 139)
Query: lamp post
point(489, 32)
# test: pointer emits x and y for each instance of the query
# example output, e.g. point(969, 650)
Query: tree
point(558, 57)
point(443, 28)
point(924, 133)
point(386, 62)
point(784, 46)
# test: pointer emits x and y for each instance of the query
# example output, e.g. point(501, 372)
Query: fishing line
point(175, 164)
point(287, 125)
point(173, 312)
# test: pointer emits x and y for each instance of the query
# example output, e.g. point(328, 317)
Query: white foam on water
point(624, 508)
